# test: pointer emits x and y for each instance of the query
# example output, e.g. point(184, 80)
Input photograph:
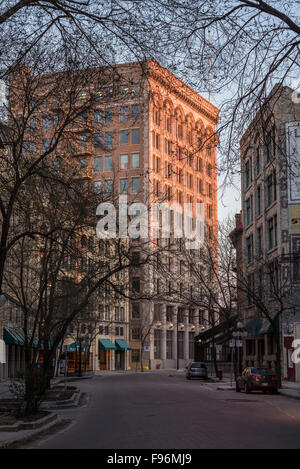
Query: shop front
point(121, 357)
point(106, 354)
point(77, 359)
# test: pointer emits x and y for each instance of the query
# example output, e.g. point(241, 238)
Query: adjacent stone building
point(269, 249)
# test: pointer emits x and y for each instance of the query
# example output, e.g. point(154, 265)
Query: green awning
point(122, 344)
point(75, 346)
point(216, 332)
point(13, 336)
point(106, 344)
point(16, 337)
point(253, 327)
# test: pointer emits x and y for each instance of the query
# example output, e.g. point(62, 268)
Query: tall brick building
point(148, 135)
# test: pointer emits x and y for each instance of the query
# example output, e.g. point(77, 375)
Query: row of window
point(99, 141)
point(124, 185)
point(271, 239)
point(106, 330)
point(269, 152)
point(106, 163)
point(264, 281)
point(127, 137)
point(105, 313)
point(126, 113)
point(270, 197)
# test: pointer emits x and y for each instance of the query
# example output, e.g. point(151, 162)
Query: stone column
point(186, 335)
point(95, 355)
point(174, 336)
point(164, 333)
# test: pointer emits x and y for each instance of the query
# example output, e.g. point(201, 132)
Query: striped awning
point(16, 337)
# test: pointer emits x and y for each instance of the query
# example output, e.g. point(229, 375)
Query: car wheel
point(237, 387)
point(188, 377)
point(247, 389)
point(274, 391)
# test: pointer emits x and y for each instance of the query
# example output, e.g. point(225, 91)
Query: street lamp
point(238, 334)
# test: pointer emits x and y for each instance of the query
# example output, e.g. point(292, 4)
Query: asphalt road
point(161, 410)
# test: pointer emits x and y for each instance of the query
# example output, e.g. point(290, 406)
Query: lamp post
point(238, 334)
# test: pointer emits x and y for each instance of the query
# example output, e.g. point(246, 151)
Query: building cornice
point(174, 85)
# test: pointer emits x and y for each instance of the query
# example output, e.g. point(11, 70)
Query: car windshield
point(197, 365)
point(261, 371)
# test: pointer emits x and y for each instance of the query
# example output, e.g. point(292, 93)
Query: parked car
point(257, 379)
point(196, 370)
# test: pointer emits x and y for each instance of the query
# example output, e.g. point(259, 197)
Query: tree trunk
point(278, 355)
point(142, 367)
point(215, 357)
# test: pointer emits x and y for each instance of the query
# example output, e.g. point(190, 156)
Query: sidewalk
point(288, 389)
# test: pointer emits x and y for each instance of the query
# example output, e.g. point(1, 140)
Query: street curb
point(29, 425)
point(283, 393)
point(32, 436)
point(226, 388)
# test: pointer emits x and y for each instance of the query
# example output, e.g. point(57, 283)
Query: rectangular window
point(116, 313)
point(136, 285)
point(82, 140)
point(124, 114)
point(157, 341)
point(250, 289)
point(249, 211)
point(248, 173)
point(108, 186)
point(135, 136)
point(135, 333)
point(169, 344)
point(108, 163)
point(124, 185)
point(135, 313)
point(135, 112)
point(46, 123)
point(270, 234)
point(258, 201)
point(97, 116)
point(97, 140)
point(32, 123)
point(135, 160)
point(257, 161)
point(97, 187)
point(97, 163)
point(108, 115)
point(46, 145)
point(180, 338)
point(259, 241)
point(55, 121)
point(135, 184)
point(249, 244)
point(124, 136)
point(123, 161)
point(108, 139)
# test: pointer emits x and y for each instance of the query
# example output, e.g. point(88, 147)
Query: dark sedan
point(257, 379)
point(196, 370)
